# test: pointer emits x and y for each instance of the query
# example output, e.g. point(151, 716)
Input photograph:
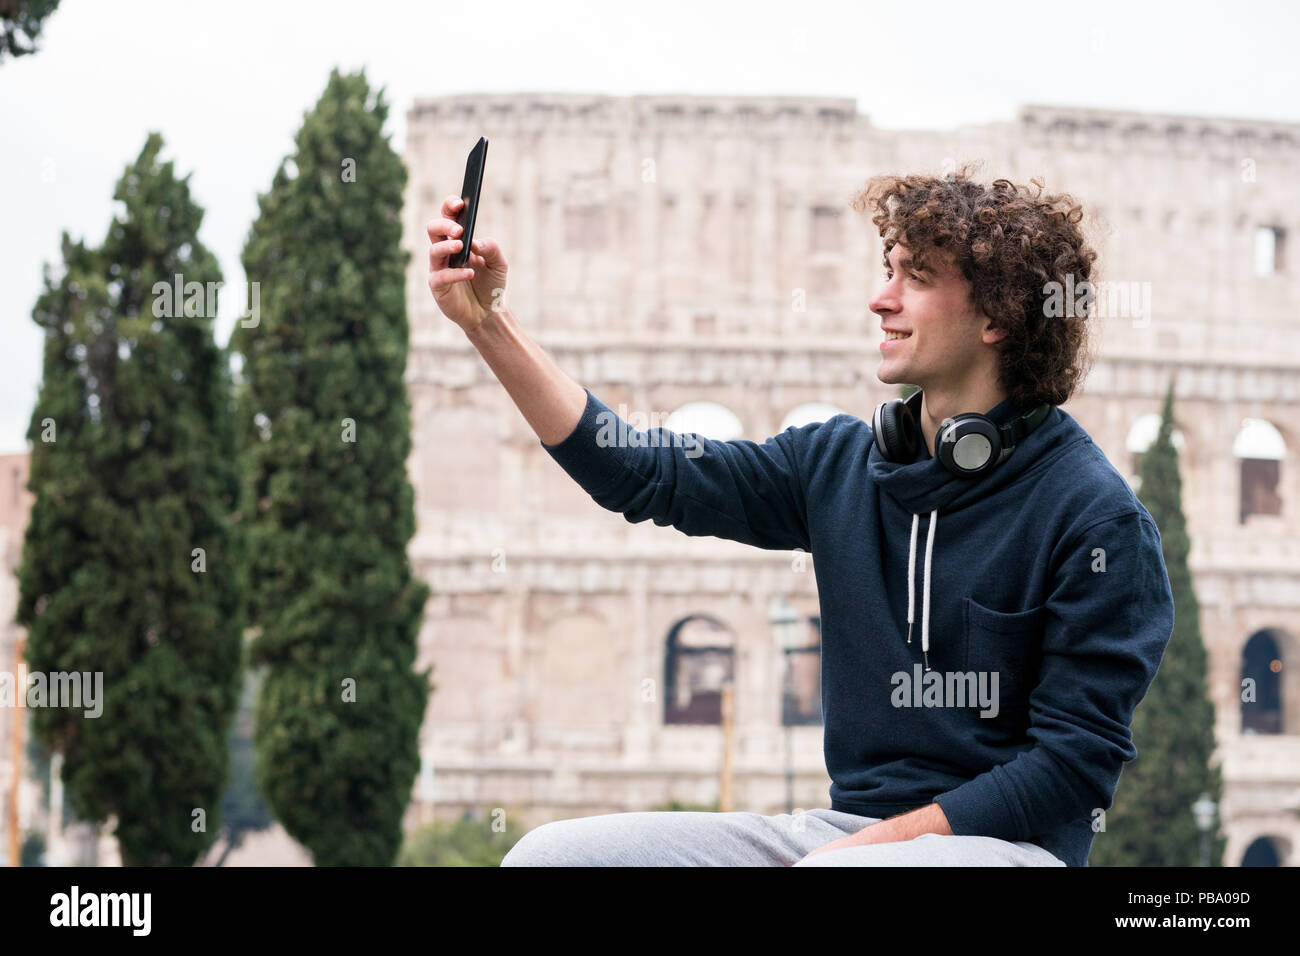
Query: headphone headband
point(1016, 430)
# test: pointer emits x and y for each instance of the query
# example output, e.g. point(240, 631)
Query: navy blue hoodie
point(1040, 589)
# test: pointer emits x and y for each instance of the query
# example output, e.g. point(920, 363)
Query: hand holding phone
point(467, 276)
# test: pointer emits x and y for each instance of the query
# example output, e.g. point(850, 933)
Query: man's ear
point(992, 336)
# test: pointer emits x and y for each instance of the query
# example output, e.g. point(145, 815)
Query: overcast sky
point(226, 83)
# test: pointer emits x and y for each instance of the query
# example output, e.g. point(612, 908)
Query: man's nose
point(884, 300)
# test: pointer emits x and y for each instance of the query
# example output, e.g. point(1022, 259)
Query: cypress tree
point(325, 421)
point(21, 22)
point(129, 564)
point(1151, 821)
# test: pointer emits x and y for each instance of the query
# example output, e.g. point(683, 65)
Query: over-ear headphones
point(968, 445)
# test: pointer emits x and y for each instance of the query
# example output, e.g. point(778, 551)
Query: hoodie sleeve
point(1106, 632)
point(738, 489)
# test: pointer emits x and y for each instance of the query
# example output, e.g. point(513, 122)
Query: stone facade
point(14, 505)
point(672, 249)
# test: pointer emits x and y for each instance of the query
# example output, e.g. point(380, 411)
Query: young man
point(979, 715)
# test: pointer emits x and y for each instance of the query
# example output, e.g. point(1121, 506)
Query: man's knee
point(579, 841)
point(537, 847)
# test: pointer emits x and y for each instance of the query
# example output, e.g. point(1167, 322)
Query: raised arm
point(473, 297)
point(739, 490)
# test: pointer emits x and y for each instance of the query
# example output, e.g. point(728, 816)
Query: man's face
point(947, 343)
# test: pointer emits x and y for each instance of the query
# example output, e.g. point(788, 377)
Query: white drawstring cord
point(911, 577)
point(925, 614)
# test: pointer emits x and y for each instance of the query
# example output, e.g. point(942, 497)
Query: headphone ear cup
point(895, 431)
point(969, 445)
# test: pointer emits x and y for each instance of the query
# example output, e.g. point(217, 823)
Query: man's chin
point(890, 375)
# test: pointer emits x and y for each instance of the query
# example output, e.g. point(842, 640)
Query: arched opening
point(1260, 448)
point(707, 419)
point(1261, 852)
point(1141, 436)
point(699, 661)
point(810, 412)
point(1261, 669)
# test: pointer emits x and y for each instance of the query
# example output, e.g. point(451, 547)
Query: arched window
point(801, 697)
point(1141, 436)
point(1261, 448)
point(699, 661)
point(808, 413)
point(1261, 663)
point(1262, 852)
point(708, 419)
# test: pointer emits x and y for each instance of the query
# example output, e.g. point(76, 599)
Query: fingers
point(443, 278)
point(440, 276)
point(485, 251)
point(443, 236)
point(447, 226)
point(439, 252)
point(442, 229)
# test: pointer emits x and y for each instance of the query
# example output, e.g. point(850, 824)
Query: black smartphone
point(469, 192)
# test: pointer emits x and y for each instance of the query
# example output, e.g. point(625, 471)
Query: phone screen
point(469, 192)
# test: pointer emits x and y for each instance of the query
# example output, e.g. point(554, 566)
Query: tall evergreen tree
point(21, 22)
point(1151, 821)
point(326, 426)
point(129, 564)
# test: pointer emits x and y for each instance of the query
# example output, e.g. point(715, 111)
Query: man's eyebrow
point(907, 262)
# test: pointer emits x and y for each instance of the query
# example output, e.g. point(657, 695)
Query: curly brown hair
point(1009, 243)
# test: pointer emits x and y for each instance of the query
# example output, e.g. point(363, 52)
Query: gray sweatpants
point(699, 838)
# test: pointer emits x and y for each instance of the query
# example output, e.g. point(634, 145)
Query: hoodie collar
point(925, 486)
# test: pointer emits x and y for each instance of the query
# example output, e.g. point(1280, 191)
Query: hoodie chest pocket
point(1008, 644)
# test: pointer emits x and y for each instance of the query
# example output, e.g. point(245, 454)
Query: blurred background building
point(697, 256)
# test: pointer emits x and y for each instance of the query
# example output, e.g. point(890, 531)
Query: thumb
point(491, 252)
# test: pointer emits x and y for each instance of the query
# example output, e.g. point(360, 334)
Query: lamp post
point(1204, 808)
point(784, 623)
